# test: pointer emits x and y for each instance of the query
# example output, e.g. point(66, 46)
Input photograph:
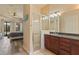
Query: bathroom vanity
point(62, 44)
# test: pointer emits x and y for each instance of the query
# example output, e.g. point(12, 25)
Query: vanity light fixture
point(59, 13)
point(55, 14)
point(52, 16)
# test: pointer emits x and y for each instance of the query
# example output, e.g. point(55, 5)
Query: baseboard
point(25, 50)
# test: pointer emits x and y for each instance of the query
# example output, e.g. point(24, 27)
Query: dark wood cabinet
point(47, 42)
point(51, 43)
point(61, 45)
point(55, 44)
point(75, 47)
point(63, 52)
point(65, 47)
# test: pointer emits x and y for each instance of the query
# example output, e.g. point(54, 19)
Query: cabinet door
point(65, 47)
point(63, 52)
point(52, 43)
point(47, 42)
point(75, 47)
point(55, 44)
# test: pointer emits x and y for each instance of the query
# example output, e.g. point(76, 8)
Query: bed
point(15, 35)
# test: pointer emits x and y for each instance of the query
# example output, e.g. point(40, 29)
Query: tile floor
point(43, 52)
point(8, 47)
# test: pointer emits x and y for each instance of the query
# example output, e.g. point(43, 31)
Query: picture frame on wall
point(26, 17)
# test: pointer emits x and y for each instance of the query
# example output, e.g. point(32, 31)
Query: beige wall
point(26, 29)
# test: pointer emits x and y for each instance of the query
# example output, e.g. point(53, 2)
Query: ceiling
point(54, 7)
point(9, 10)
point(37, 6)
point(63, 7)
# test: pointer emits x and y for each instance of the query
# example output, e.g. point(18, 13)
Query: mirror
point(51, 21)
point(70, 22)
point(54, 22)
point(45, 23)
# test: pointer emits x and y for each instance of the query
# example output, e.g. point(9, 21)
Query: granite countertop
point(66, 36)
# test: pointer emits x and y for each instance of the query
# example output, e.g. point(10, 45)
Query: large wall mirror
point(67, 22)
point(51, 22)
point(70, 22)
point(54, 22)
point(45, 22)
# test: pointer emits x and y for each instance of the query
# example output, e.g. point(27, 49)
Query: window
point(6, 27)
point(17, 26)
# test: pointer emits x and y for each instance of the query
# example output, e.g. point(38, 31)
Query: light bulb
point(55, 14)
point(58, 13)
point(51, 16)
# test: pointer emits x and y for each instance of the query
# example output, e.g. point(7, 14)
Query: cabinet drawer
point(75, 42)
point(75, 50)
point(65, 48)
point(63, 52)
point(47, 42)
point(65, 44)
point(56, 51)
point(65, 40)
